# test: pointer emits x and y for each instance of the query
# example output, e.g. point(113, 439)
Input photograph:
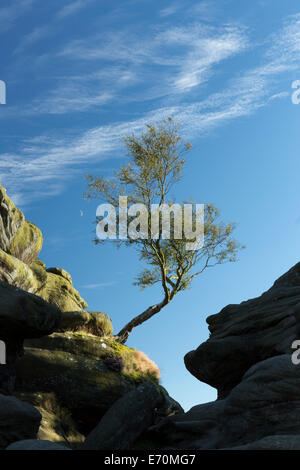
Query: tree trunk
point(123, 334)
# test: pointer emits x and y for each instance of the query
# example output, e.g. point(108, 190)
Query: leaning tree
point(156, 161)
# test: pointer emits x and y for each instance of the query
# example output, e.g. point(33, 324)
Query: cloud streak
point(10, 14)
point(72, 8)
point(196, 49)
point(100, 285)
point(36, 35)
point(48, 162)
point(40, 32)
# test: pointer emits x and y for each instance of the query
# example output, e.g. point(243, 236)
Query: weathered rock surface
point(77, 374)
point(57, 424)
point(96, 323)
point(18, 421)
point(59, 291)
point(20, 243)
point(247, 333)
point(22, 315)
point(60, 272)
point(125, 420)
point(86, 374)
point(248, 359)
point(18, 237)
point(279, 442)
point(34, 444)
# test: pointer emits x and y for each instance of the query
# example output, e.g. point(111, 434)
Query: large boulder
point(59, 291)
point(264, 403)
point(85, 373)
point(22, 315)
point(57, 424)
point(20, 243)
point(248, 358)
point(35, 278)
point(96, 323)
point(125, 420)
point(18, 420)
point(247, 333)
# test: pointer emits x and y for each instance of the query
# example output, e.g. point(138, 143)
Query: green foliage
point(156, 161)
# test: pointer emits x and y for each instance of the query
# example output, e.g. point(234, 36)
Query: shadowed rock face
point(248, 359)
point(125, 421)
point(22, 315)
point(34, 444)
point(18, 420)
point(87, 374)
point(242, 335)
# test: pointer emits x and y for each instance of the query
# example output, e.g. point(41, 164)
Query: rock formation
point(125, 420)
point(248, 359)
point(20, 243)
point(67, 383)
point(18, 420)
point(22, 315)
point(63, 365)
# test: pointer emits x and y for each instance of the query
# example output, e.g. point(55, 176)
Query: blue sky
point(81, 74)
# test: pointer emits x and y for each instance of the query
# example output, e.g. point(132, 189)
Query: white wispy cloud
point(34, 36)
point(203, 9)
point(99, 285)
point(9, 14)
point(73, 8)
point(46, 162)
point(286, 46)
point(41, 32)
point(170, 9)
point(69, 99)
point(206, 48)
point(196, 49)
point(42, 163)
point(77, 93)
point(119, 60)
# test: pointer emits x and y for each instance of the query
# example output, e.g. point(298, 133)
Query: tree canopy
point(155, 164)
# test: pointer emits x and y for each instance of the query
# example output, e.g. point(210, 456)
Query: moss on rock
point(60, 272)
point(27, 242)
point(57, 424)
point(39, 270)
point(53, 288)
point(11, 220)
point(20, 243)
point(18, 237)
point(75, 366)
point(15, 272)
point(60, 292)
point(96, 323)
